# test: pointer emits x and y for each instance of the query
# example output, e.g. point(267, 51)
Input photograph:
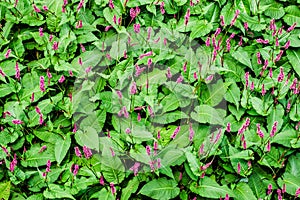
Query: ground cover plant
point(148, 99)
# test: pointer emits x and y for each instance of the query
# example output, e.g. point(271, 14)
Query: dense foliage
point(149, 99)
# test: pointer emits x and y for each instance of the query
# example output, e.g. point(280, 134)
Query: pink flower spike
point(228, 129)
point(287, 44)
point(222, 20)
point(80, 5)
point(16, 3)
point(17, 75)
point(158, 135)
point(263, 91)
point(112, 152)
point(192, 133)
point(126, 114)
point(36, 9)
point(179, 79)
point(87, 152)
point(195, 76)
point(136, 28)
point(162, 10)
point(77, 152)
point(61, 79)
point(151, 113)
point(50, 38)
point(291, 27)
point(246, 26)
point(184, 66)
point(79, 24)
point(169, 74)
point(32, 98)
point(148, 150)
point(281, 75)
point(119, 93)
point(207, 42)
point(139, 117)
point(269, 189)
point(239, 168)
point(55, 46)
point(112, 188)
point(45, 8)
point(101, 180)
point(187, 17)
point(111, 4)
point(7, 53)
point(43, 148)
point(176, 131)
point(268, 147)
point(271, 72)
point(2, 73)
point(76, 168)
point(41, 32)
point(17, 121)
point(133, 88)
point(127, 131)
point(218, 31)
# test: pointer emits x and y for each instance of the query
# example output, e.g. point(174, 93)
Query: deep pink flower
point(126, 114)
point(112, 152)
point(228, 129)
point(281, 75)
point(17, 121)
point(151, 113)
point(222, 20)
point(101, 180)
point(269, 189)
point(169, 74)
point(259, 132)
point(150, 53)
point(274, 129)
point(2, 73)
point(136, 28)
point(7, 53)
point(45, 8)
point(50, 38)
point(55, 46)
point(217, 32)
point(268, 147)
point(42, 148)
point(158, 135)
point(192, 133)
point(111, 4)
point(237, 12)
point(297, 192)
point(133, 88)
point(239, 168)
point(13, 163)
point(205, 166)
point(187, 17)
point(226, 197)
point(79, 24)
point(291, 27)
point(36, 9)
point(87, 152)
point(127, 131)
point(48, 166)
point(112, 188)
point(287, 44)
point(76, 168)
point(32, 98)
point(195, 76)
point(17, 75)
point(279, 194)
point(179, 79)
point(135, 168)
point(263, 91)
point(77, 152)
point(184, 66)
point(279, 56)
point(175, 132)
point(207, 42)
point(139, 117)
point(247, 79)
point(61, 79)
point(132, 13)
point(5, 150)
point(80, 5)
point(41, 32)
point(246, 26)
point(65, 2)
point(162, 10)
point(16, 3)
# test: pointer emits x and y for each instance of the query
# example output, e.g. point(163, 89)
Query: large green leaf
point(4, 190)
point(161, 189)
point(113, 169)
point(55, 191)
point(291, 181)
point(88, 137)
point(294, 59)
point(207, 114)
point(62, 147)
point(35, 158)
point(210, 188)
point(201, 29)
point(131, 187)
point(244, 192)
point(292, 15)
point(243, 57)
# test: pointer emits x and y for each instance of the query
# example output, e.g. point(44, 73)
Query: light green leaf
point(55, 191)
point(201, 29)
point(207, 114)
point(4, 190)
point(210, 188)
point(243, 57)
point(113, 169)
point(161, 189)
point(294, 59)
point(233, 94)
point(88, 137)
point(62, 148)
point(131, 187)
point(244, 192)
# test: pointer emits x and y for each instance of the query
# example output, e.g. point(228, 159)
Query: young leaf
point(161, 189)
point(61, 148)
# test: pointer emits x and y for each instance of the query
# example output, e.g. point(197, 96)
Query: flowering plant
point(142, 99)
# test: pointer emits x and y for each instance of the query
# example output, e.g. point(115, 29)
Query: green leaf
point(131, 187)
point(4, 190)
point(103, 194)
point(294, 59)
point(34, 158)
point(113, 169)
point(233, 95)
point(292, 183)
point(216, 93)
point(293, 165)
point(243, 57)
point(276, 114)
point(285, 137)
point(160, 188)
point(275, 11)
point(201, 29)
point(244, 192)
point(210, 188)
point(167, 118)
point(193, 163)
point(55, 191)
point(88, 137)
point(207, 114)
point(292, 15)
point(62, 148)
point(180, 89)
